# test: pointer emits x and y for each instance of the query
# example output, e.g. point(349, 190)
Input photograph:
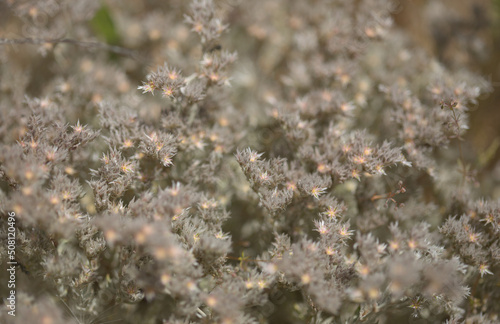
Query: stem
point(39, 41)
point(461, 155)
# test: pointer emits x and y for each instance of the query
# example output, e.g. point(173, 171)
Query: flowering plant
point(310, 178)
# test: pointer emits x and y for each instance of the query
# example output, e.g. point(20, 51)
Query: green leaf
point(103, 26)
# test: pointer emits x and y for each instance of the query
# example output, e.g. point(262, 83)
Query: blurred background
point(465, 34)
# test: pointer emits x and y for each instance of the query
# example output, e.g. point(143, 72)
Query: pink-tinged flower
point(253, 156)
point(78, 128)
point(321, 228)
point(167, 160)
point(484, 269)
point(147, 87)
point(332, 212)
point(474, 237)
point(264, 177)
point(317, 191)
point(168, 91)
point(127, 167)
point(345, 232)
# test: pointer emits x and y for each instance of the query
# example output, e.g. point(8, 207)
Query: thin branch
point(39, 41)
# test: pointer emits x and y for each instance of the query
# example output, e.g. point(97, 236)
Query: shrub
point(157, 176)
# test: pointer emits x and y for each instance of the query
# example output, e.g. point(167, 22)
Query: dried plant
point(159, 177)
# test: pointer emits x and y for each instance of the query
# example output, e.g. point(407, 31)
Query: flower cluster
point(293, 170)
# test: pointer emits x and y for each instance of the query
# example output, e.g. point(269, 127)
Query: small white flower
point(253, 156)
point(332, 212)
point(147, 87)
point(317, 191)
point(484, 269)
point(167, 160)
point(264, 177)
point(174, 190)
point(322, 228)
point(345, 232)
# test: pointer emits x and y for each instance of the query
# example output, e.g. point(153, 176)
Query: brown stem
point(38, 41)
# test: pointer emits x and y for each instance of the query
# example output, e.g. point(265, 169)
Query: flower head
point(317, 191)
